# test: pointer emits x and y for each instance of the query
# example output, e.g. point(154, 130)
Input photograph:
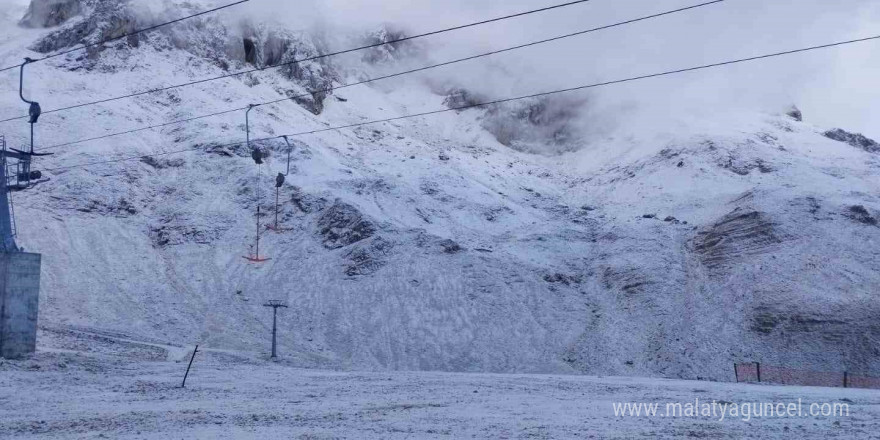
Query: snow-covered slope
point(425, 243)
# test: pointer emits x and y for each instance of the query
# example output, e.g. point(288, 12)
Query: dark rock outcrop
point(174, 229)
point(307, 203)
point(795, 113)
point(104, 20)
point(538, 125)
point(343, 225)
point(450, 247)
point(562, 278)
point(861, 214)
point(50, 13)
point(264, 48)
point(391, 52)
point(461, 98)
point(163, 163)
point(743, 232)
point(855, 139)
point(368, 258)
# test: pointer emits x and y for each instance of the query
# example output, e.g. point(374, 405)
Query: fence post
point(845, 380)
point(758, 368)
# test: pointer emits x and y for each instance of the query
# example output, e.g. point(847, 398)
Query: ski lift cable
point(130, 34)
point(316, 57)
point(393, 75)
point(500, 101)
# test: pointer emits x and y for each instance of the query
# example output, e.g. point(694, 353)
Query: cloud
point(834, 87)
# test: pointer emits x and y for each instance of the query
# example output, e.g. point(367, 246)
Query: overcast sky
point(836, 87)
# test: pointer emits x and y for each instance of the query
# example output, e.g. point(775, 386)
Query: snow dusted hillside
point(426, 244)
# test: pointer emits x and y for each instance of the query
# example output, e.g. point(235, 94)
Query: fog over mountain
point(827, 85)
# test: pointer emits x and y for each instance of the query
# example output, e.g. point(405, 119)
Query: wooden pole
point(183, 385)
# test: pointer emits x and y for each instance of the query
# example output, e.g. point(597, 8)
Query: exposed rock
point(544, 125)
point(175, 229)
point(795, 113)
point(563, 278)
point(369, 258)
point(206, 37)
point(744, 166)
point(104, 20)
point(50, 13)
point(391, 52)
point(450, 247)
point(855, 139)
point(861, 214)
point(343, 225)
point(822, 326)
point(741, 233)
point(628, 279)
point(295, 53)
point(172, 235)
point(307, 203)
point(250, 51)
point(764, 322)
point(460, 98)
point(494, 213)
point(118, 208)
point(163, 163)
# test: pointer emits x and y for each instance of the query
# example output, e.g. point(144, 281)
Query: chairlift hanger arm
point(21, 81)
point(35, 111)
point(25, 153)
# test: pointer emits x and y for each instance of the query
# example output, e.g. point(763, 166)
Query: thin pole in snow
point(183, 385)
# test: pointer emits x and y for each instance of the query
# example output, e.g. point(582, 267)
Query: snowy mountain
point(452, 242)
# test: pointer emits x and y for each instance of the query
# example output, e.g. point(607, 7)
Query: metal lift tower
point(19, 271)
point(274, 304)
point(19, 276)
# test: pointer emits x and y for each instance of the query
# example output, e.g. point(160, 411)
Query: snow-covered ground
point(88, 386)
point(426, 244)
